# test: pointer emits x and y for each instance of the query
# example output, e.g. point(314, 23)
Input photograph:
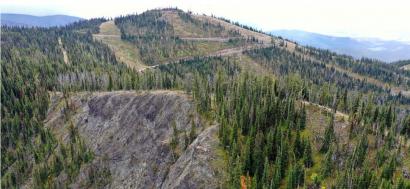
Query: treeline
point(241, 25)
point(84, 26)
point(317, 76)
point(401, 63)
point(364, 66)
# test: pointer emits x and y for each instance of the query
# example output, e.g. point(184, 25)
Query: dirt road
point(223, 52)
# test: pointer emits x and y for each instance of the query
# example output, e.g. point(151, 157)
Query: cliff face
point(130, 134)
point(200, 166)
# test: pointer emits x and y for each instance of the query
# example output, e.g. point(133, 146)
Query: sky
point(383, 19)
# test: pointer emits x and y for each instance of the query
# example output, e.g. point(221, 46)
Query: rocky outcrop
point(130, 133)
point(198, 166)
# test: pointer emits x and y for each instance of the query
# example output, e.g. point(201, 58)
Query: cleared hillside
point(124, 51)
point(170, 35)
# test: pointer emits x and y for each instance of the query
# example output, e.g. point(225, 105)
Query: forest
point(265, 121)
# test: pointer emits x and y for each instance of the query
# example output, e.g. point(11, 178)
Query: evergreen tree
point(265, 175)
point(298, 146)
point(328, 136)
point(186, 140)
point(389, 168)
point(295, 176)
point(110, 83)
point(389, 117)
point(327, 164)
point(307, 154)
point(192, 132)
point(302, 119)
point(175, 138)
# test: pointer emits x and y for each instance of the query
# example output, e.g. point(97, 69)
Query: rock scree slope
point(130, 133)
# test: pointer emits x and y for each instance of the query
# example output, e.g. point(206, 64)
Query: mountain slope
point(131, 134)
point(36, 21)
point(267, 113)
point(388, 51)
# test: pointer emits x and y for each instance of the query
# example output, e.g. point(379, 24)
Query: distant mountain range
point(36, 21)
point(388, 51)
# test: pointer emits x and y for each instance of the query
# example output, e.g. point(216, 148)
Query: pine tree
point(175, 138)
point(110, 83)
point(389, 168)
point(186, 140)
point(192, 132)
point(236, 173)
point(389, 117)
point(344, 100)
point(327, 164)
point(328, 137)
point(360, 151)
point(406, 127)
point(400, 184)
point(307, 154)
point(247, 167)
point(364, 180)
point(254, 183)
point(265, 175)
point(295, 176)
point(275, 182)
point(302, 119)
point(298, 146)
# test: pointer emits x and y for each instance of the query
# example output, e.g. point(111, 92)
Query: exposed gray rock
point(197, 166)
point(130, 133)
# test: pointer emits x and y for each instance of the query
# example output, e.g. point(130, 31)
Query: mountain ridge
point(26, 20)
point(385, 50)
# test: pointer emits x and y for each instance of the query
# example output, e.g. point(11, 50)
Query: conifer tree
point(327, 164)
point(186, 140)
point(298, 146)
point(265, 175)
point(302, 118)
point(328, 136)
point(192, 132)
point(389, 168)
point(175, 138)
point(307, 154)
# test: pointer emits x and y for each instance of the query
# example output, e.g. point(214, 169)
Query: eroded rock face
point(198, 166)
point(130, 133)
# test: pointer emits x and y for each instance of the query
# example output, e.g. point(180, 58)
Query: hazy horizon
point(383, 20)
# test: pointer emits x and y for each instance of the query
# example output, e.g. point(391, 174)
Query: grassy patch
point(125, 52)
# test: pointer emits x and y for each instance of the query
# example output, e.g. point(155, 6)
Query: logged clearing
point(193, 28)
point(223, 52)
point(244, 32)
point(124, 51)
point(65, 56)
point(394, 89)
point(248, 64)
point(406, 67)
point(318, 118)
